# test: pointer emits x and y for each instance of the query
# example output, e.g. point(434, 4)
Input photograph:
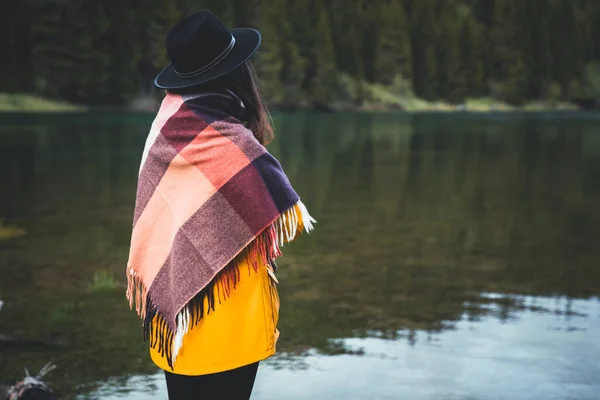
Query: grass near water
point(19, 102)
point(378, 97)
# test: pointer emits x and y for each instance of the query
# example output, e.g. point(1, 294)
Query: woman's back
point(213, 209)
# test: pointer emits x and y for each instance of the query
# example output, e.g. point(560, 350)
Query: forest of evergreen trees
point(106, 52)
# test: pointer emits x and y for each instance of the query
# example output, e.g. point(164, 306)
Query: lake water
point(456, 257)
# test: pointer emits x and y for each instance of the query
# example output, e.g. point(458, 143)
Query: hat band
point(214, 62)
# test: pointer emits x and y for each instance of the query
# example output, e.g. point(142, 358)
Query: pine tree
point(346, 36)
point(303, 31)
point(48, 67)
point(472, 40)
point(125, 55)
point(163, 16)
point(424, 36)
point(228, 11)
point(16, 66)
point(542, 12)
point(368, 17)
point(572, 45)
point(451, 75)
point(324, 84)
point(294, 64)
point(393, 51)
point(594, 20)
point(269, 60)
point(93, 57)
point(293, 73)
point(511, 51)
point(91, 51)
point(68, 62)
point(243, 13)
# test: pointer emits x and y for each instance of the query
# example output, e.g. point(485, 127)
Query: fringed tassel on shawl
point(263, 250)
point(136, 291)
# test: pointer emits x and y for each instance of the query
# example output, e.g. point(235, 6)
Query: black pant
point(235, 384)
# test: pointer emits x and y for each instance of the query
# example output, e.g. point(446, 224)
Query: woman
point(213, 208)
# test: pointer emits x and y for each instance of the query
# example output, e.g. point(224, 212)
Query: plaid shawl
point(209, 194)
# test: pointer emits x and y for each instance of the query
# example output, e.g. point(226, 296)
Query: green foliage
point(94, 52)
point(325, 82)
point(472, 42)
point(588, 87)
point(553, 92)
point(394, 53)
point(69, 62)
point(269, 62)
point(63, 313)
point(452, 77)
point(510, 55)
point(592, 81)
point(424, 29)
point(542, 11)
point(17, 102)
point(102, 281)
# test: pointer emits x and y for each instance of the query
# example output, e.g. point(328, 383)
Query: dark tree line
point(107, 51)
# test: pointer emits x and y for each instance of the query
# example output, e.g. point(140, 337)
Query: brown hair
point(244, 82)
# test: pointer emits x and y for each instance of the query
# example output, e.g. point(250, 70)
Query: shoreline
point(27, 103)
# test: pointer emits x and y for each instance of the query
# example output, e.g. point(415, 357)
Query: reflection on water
point(482, 360)
point(420, 219)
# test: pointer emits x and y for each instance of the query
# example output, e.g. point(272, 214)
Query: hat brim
point(247, 41)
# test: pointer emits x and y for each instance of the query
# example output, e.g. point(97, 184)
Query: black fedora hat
point(201, 49)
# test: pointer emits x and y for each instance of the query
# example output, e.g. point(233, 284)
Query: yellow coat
point(240, 331)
